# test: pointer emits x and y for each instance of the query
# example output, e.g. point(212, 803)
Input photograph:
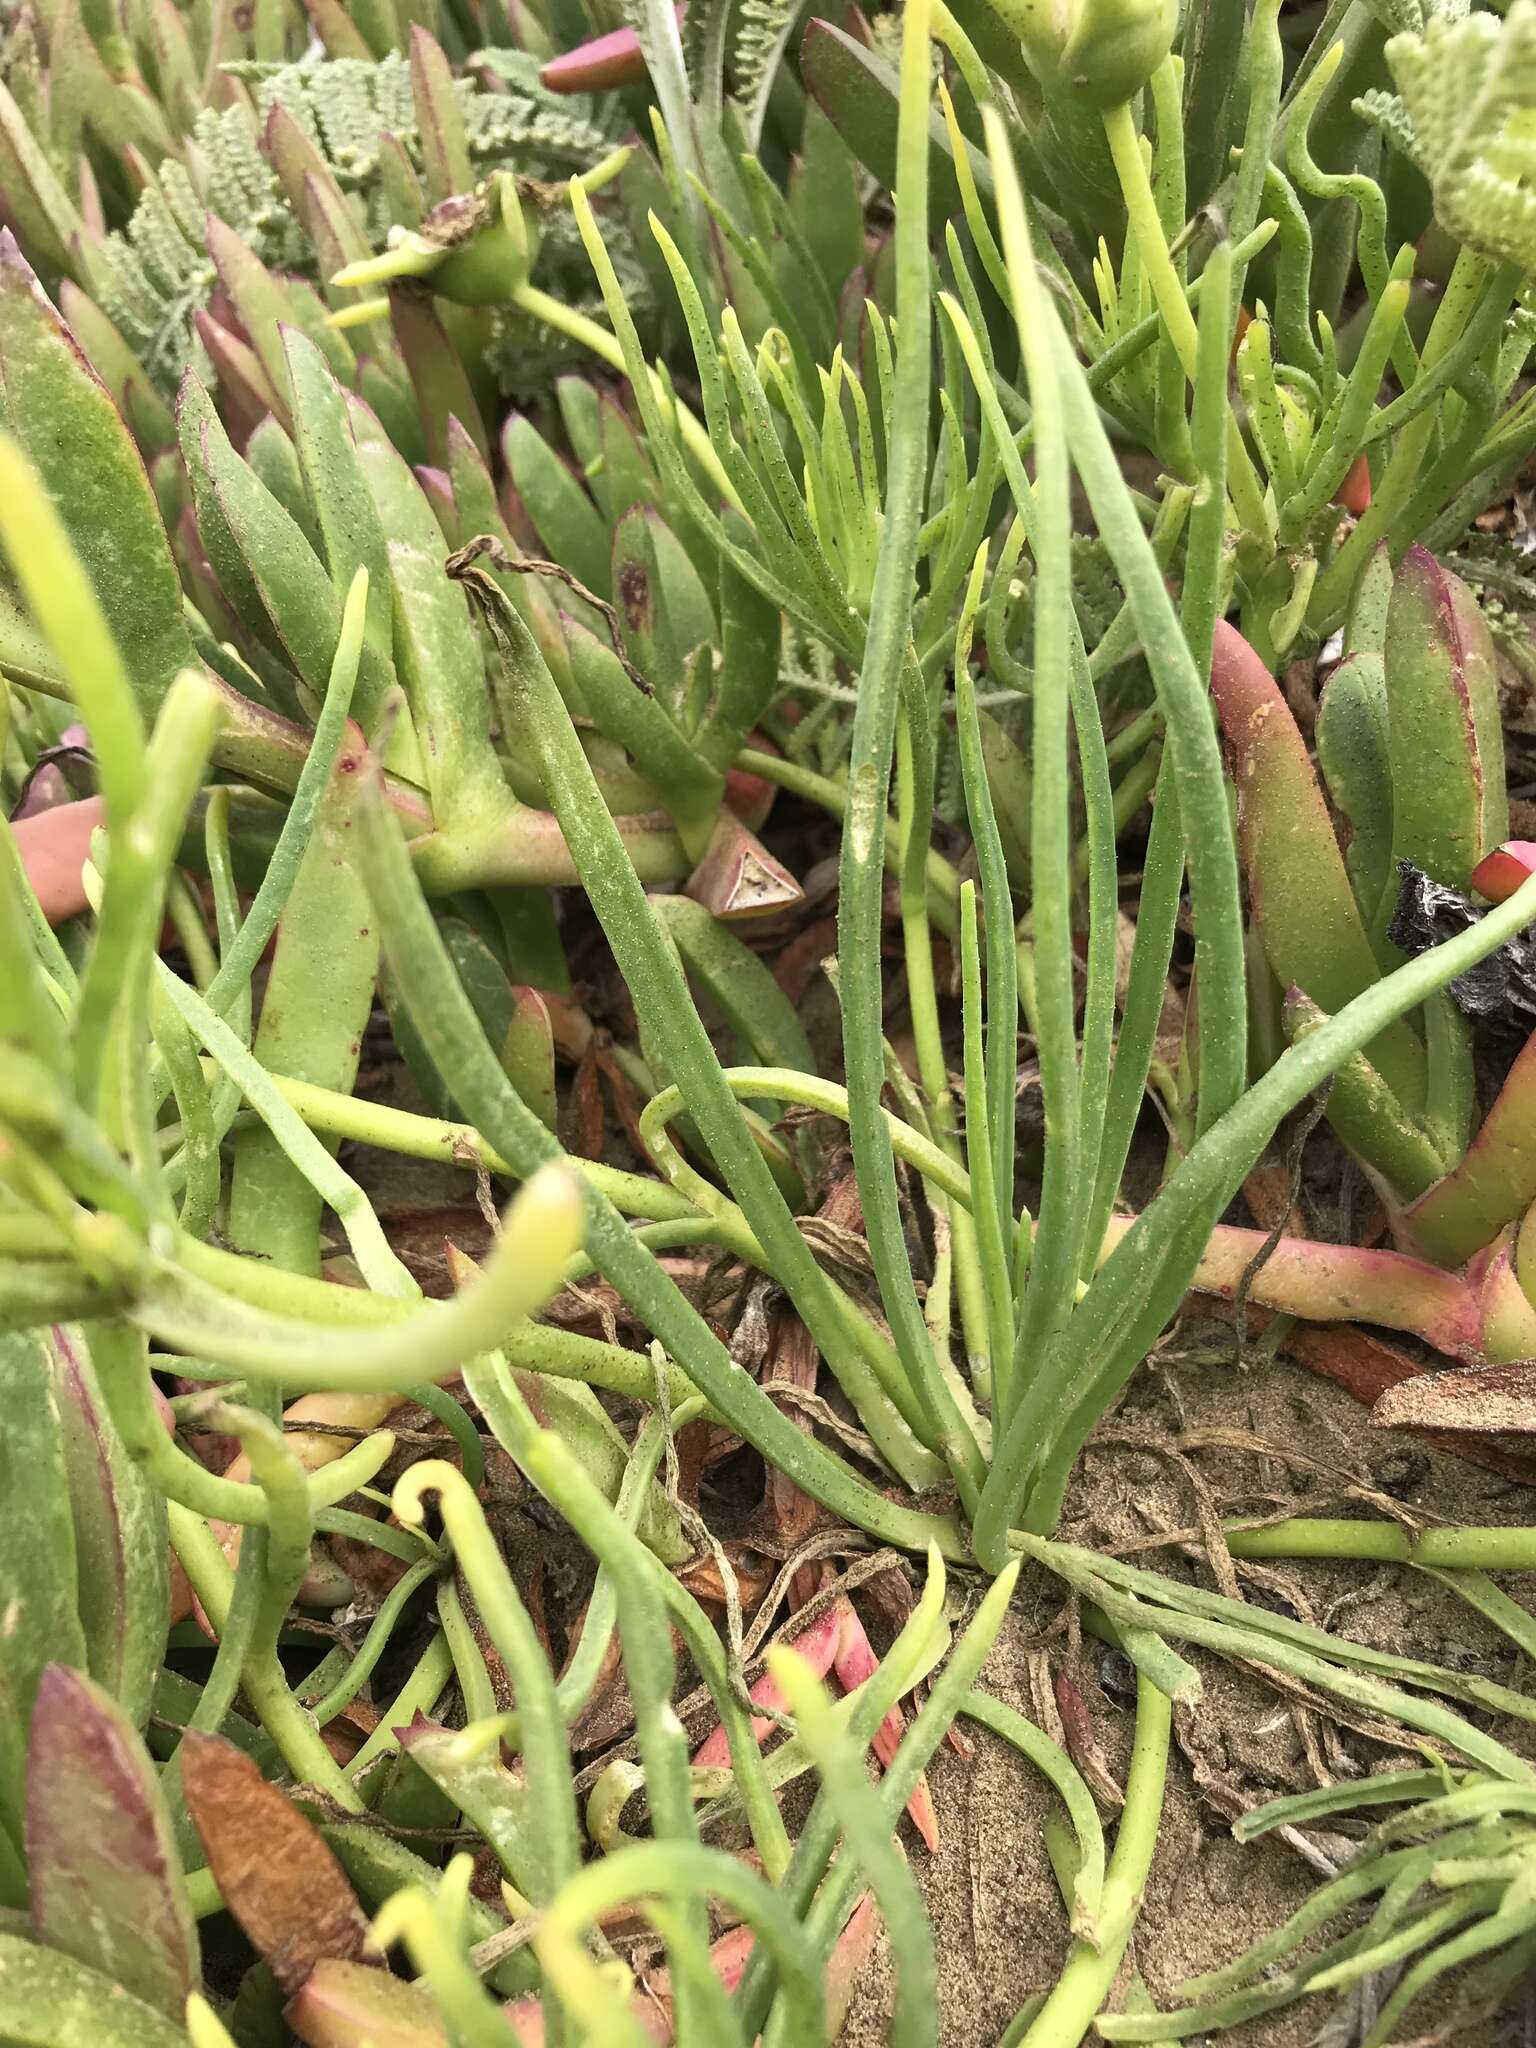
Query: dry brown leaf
point(1496, 1399)
point(273, 1869)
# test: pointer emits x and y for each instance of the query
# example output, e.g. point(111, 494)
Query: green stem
point(887, 651)
point(1090, 1972)
point(423, 1137)
point(1472, 1549)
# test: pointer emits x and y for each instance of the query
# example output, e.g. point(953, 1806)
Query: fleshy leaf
point(1450, 805)
point(51, 2001)
point(106, 1879)
point(1494, 1184)
point(65, 419)
point(121, 1538)
point(38, 1573)
point(343, 2004)
point(1299, 888)
point(1354, 755)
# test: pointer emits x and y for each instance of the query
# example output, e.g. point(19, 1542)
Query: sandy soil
point(1001, 1932)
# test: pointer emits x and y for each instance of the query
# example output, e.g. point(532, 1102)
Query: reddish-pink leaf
point(54, 847)
point(1500, 873)
point(599, 65)
point(1354, 494)
point(343, 2004)
point(855, 1663)
point(1340, 1283)
point(107, 1883)
point(818, 1646)
point(848, 1962)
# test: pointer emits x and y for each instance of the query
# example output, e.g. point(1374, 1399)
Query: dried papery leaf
point(344, 2004)
point(106, 1878)
point(272, 1867)
point(1488, 1399)
point(738, 877)
point(1366, 1366)
point(1083, 1742)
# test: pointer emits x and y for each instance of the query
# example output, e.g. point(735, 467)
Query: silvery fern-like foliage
point(1463, 111)
point(347, 105)
point(1411, 17)
point(763, 27)
point(1384, 110)
point(155, 274)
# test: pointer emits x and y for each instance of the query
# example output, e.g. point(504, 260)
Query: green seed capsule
point(1102, 51)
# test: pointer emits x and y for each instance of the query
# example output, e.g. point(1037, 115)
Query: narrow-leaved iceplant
point(417, 497)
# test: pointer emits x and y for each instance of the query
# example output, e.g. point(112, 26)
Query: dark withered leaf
point(1499, 991)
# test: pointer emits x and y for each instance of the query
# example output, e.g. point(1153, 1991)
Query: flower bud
point(1101, 51)
point(476, 249)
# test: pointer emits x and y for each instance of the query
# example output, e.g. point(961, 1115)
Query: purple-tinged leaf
point(438, 377)
point(1450, 806)
point(439, 119)
point(121, 1538)
point(107, 1883)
